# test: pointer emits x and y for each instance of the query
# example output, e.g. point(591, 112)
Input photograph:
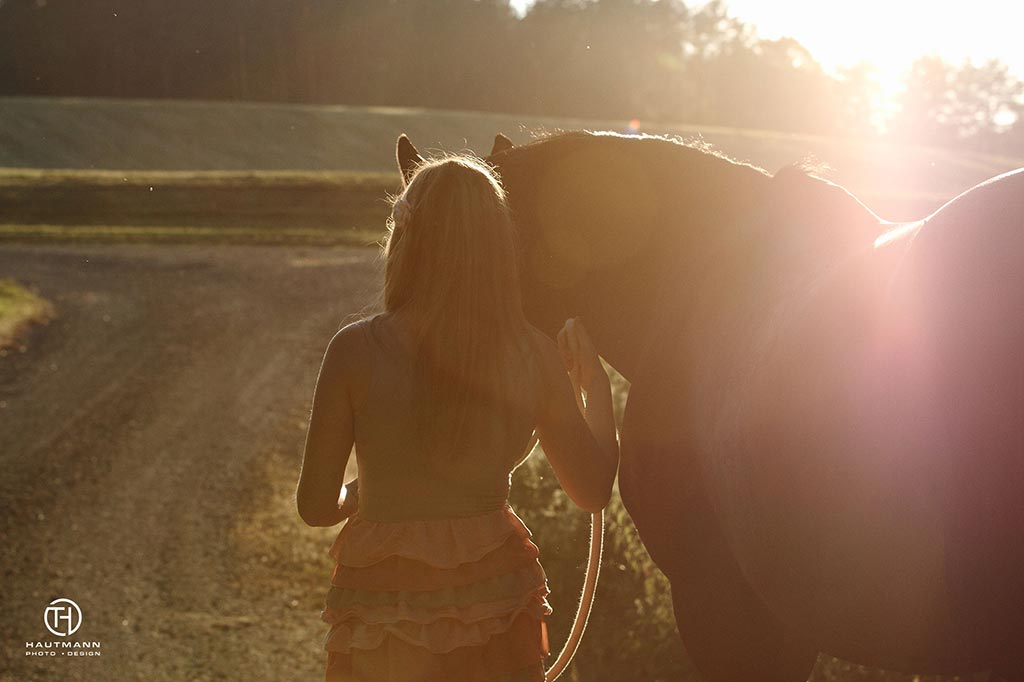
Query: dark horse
point(823, 446)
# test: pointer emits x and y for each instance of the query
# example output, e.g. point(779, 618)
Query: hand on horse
point(580, 358)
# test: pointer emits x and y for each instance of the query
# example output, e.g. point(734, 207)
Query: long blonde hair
point(451, 265)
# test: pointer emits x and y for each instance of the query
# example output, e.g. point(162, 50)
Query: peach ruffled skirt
point(440, 599)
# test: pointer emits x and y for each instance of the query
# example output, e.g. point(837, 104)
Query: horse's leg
point(728, 632)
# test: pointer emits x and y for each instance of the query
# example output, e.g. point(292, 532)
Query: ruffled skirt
point(441, 599)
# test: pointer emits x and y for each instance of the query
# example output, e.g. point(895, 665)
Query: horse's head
point(580, 227)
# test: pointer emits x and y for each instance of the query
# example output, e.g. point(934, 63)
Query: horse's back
point(962, 285)
point(866, 453)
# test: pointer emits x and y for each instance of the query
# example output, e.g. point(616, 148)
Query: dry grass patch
point(20, 309)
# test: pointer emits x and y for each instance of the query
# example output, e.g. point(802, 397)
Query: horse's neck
point(711, 220)
point(698, 218)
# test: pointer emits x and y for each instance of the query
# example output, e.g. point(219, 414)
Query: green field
point(172, 170)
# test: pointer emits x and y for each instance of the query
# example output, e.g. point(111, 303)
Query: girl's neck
point(403, 324)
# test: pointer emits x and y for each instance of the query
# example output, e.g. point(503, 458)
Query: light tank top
point(396, 480)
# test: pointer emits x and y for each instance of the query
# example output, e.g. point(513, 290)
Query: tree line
point(646, 59)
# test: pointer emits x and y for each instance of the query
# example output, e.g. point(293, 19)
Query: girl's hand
point(351, 503)
point(580, 358)
point(581, 443)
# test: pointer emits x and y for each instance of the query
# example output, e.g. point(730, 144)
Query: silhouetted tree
point(955, 105)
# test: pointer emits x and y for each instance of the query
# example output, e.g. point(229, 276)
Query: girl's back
point(436, 577)
point(397, 479)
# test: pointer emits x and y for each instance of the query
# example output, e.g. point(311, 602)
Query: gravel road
point(150, 439)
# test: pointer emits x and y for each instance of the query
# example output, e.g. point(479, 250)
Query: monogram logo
point(62, 617)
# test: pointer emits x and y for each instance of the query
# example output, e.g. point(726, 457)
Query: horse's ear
point(408, 158)
point(501, 144)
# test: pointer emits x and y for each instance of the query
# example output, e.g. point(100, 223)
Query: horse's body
point(823, 446)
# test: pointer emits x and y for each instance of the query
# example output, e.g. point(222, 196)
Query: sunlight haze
point(888, 35)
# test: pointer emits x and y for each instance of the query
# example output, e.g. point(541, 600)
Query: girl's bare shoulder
point(347, 359)
point(350, 341)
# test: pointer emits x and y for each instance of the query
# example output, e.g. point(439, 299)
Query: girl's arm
point(330, 434)
point(578, 438)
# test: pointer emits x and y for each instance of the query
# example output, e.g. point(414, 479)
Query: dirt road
point(150, 439)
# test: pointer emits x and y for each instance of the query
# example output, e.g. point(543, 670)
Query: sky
point(889, 34)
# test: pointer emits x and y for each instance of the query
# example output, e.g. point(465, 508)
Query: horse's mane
point(545, 143)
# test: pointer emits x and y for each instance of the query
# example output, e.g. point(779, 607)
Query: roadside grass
point(172, 234)
point(266, 207)
point(57, 177)
point(20, 309)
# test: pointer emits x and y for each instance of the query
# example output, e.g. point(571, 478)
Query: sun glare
point(889, 75)
point(890, 36)
point(897, 232)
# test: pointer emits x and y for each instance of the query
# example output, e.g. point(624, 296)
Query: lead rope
point(586, 599)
